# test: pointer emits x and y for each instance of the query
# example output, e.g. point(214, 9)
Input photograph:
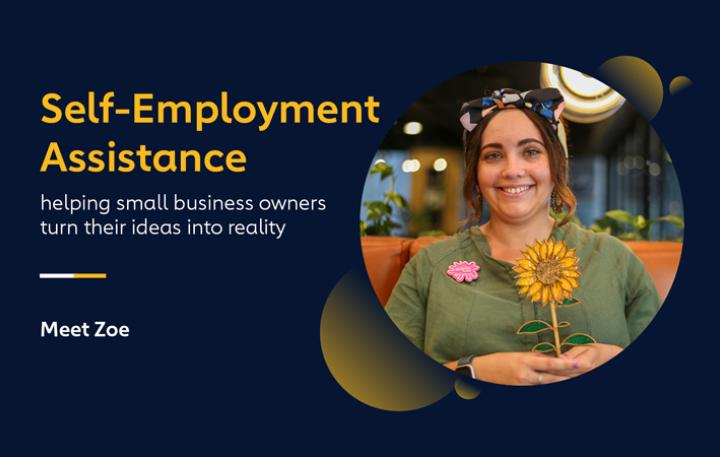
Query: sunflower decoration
point(548, 274)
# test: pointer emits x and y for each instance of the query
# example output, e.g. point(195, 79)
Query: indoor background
point(617, 161)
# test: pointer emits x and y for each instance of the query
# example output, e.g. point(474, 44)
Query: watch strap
point(467, 360)
point(464, 366)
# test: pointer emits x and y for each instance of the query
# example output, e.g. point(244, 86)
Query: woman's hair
point(558, 166)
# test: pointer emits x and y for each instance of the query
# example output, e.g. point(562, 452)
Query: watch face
point(465, 370)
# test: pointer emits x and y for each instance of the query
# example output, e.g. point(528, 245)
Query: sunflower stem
point(555, 328)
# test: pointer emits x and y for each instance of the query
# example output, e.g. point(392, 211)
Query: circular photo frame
point(522, 223)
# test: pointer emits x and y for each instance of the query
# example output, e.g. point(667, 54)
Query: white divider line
point(73, 275)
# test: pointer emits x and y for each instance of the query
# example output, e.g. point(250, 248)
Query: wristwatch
point(464, 366)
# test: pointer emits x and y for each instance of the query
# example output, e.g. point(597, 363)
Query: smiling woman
point(514, 175)
point(501, 323)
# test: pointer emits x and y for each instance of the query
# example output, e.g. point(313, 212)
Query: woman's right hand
point(523, 368)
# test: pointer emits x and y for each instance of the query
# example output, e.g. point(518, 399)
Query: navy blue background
point(225, 353)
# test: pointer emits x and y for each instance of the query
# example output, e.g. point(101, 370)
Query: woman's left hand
point(590, 356)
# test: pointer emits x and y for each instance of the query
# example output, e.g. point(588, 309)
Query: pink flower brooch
point(463, 271)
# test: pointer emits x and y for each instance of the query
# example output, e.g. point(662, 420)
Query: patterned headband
point(548, 103)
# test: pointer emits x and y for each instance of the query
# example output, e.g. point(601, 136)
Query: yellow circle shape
point(637, 81)
point(370, 358)
point(465, 390)
point(679, 84)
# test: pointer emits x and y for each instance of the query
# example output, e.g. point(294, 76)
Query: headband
point(548, 103)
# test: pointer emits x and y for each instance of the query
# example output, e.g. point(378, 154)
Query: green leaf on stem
point(620, 216)
point(396, 198)
point(383, 168)
point(534, 326)
point(673, 219)
point(577, 338)
point(639, 222)
point(543, 347)
point(569, 302)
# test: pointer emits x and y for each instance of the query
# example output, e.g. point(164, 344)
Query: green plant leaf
point(569, 302)
point(620, 216)
point(596, 228)
point(535, 326)
point(673, 219)
point(639, 222)
point(383, 168)
point(606, 222)
point(379, 213)
point(577, 338)
point(543, 347)
point(375, 216)
point(396, 198)
point(375, 230)
point(630, 236)
point(377, 206)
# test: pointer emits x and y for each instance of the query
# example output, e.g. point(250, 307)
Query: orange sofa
point(385, 257)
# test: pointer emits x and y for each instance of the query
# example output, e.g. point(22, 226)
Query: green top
point(449, 320)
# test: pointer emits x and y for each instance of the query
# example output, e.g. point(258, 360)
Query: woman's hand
point(532, 368)
point(590, 356)
point(524, 368)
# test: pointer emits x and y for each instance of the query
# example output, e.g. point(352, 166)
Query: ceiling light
point(440, 164)
point(412, 128)
point(410, 166)
point(587, 100)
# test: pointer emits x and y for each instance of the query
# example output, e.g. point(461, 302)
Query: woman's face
point(513, 170)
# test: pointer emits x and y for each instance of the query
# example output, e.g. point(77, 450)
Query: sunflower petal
point(573, 282)
point(550, 247)
point(557, 292)
point(537, 296)
point(543, 251)
point(526, 274)
point(567, 262)
point(525, 281)
point(537, 248)
point(565, 284)
point(533, 254)
point(523, 290)
point(545, 295)
point(559, 247)
point(570, 273)
point(526, 264)
point(535, 288)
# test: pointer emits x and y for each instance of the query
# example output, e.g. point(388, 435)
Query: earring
point(479, 195)
point(478, 207)
point(555, 202)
